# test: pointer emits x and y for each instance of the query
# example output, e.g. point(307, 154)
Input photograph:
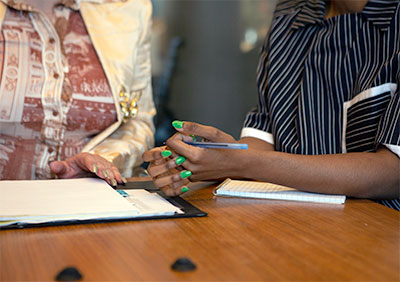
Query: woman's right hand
point(87, 165)
point(171, 173)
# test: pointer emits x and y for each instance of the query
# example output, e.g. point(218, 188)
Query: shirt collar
point(378, 12)
point(309, 12)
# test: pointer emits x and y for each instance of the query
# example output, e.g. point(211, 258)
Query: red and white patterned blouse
point(38, 125)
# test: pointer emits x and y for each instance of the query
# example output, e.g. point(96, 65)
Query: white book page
point(60, 197)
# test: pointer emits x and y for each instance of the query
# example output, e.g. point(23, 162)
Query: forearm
point(363, 175)
point(257, 144)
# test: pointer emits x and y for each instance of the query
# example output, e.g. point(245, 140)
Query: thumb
point(58, 168)
point(208, 132)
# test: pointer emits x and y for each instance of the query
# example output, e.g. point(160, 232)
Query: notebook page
point(253, 189)
point(60, 197)
point(149, 204)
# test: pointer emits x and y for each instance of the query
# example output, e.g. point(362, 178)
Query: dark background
point(214, 79)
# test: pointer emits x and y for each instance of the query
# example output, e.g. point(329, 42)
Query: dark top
point(329, 86)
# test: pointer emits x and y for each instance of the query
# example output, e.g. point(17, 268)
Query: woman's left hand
point(198, 163)
point(87, 165)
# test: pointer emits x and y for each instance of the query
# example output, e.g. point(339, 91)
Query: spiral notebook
point(265, 190)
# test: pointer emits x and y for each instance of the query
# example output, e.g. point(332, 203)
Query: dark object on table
point(69, 274)
point(183, 264)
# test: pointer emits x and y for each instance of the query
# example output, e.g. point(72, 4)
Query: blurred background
point(204, 60)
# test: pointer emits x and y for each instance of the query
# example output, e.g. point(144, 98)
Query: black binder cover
point(188, 209)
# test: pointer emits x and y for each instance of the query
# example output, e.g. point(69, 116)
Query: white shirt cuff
point(394, 148)
point(256, 133)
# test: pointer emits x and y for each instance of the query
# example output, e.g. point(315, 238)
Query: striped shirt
point(329, 86)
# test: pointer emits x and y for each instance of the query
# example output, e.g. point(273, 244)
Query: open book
point(73, 200)
point(265, 190)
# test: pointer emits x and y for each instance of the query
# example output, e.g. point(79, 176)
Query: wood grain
point(240, 239)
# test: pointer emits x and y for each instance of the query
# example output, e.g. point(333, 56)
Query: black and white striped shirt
point(329, 86)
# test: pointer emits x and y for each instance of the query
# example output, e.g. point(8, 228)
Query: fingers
point(158, 168)
point(183, 149)
point(180, 136)
point(208, 132)
point(170, 179)
point(97, 165)
point(158, 155)
point(58, 168)
point(169, 176)
point(153, 154)
point(105, 170)
point(167, 173)
point(177, 188)
point(118, 177)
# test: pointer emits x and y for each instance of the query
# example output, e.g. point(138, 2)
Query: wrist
point(256, 164)
point(240, 164)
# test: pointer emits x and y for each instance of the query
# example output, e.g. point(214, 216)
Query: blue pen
point(214, 145)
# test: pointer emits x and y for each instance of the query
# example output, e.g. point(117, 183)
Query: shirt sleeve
point(389, 127)
point(257, 123)
point(135, 136)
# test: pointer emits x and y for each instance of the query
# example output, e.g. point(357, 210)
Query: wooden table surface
point(240, 239)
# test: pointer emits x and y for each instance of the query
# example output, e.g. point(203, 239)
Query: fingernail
point(186, 173)
point(184, 189)
point(166, 153)
point(105, 173)
point(114, 182)
point(193, 137)
point(124, 179)
point(94, 168)
point(177, 124)
point(179, 160)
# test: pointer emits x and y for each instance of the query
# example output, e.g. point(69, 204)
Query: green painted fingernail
point(166, 153)
point(114, 182)
point(94, 168)
point(184, 189)
point(193, 137)
point(124, 180)
point(186, 174)
point(177, 123)
point(180, 160)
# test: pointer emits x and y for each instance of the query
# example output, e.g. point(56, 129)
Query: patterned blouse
point(330, 86)
point(31, 125)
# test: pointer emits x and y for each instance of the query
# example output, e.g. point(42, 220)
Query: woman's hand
point(186, 161)
point(163, 163)
point(87, 165)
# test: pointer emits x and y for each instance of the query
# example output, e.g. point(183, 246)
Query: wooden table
point(240, 239)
